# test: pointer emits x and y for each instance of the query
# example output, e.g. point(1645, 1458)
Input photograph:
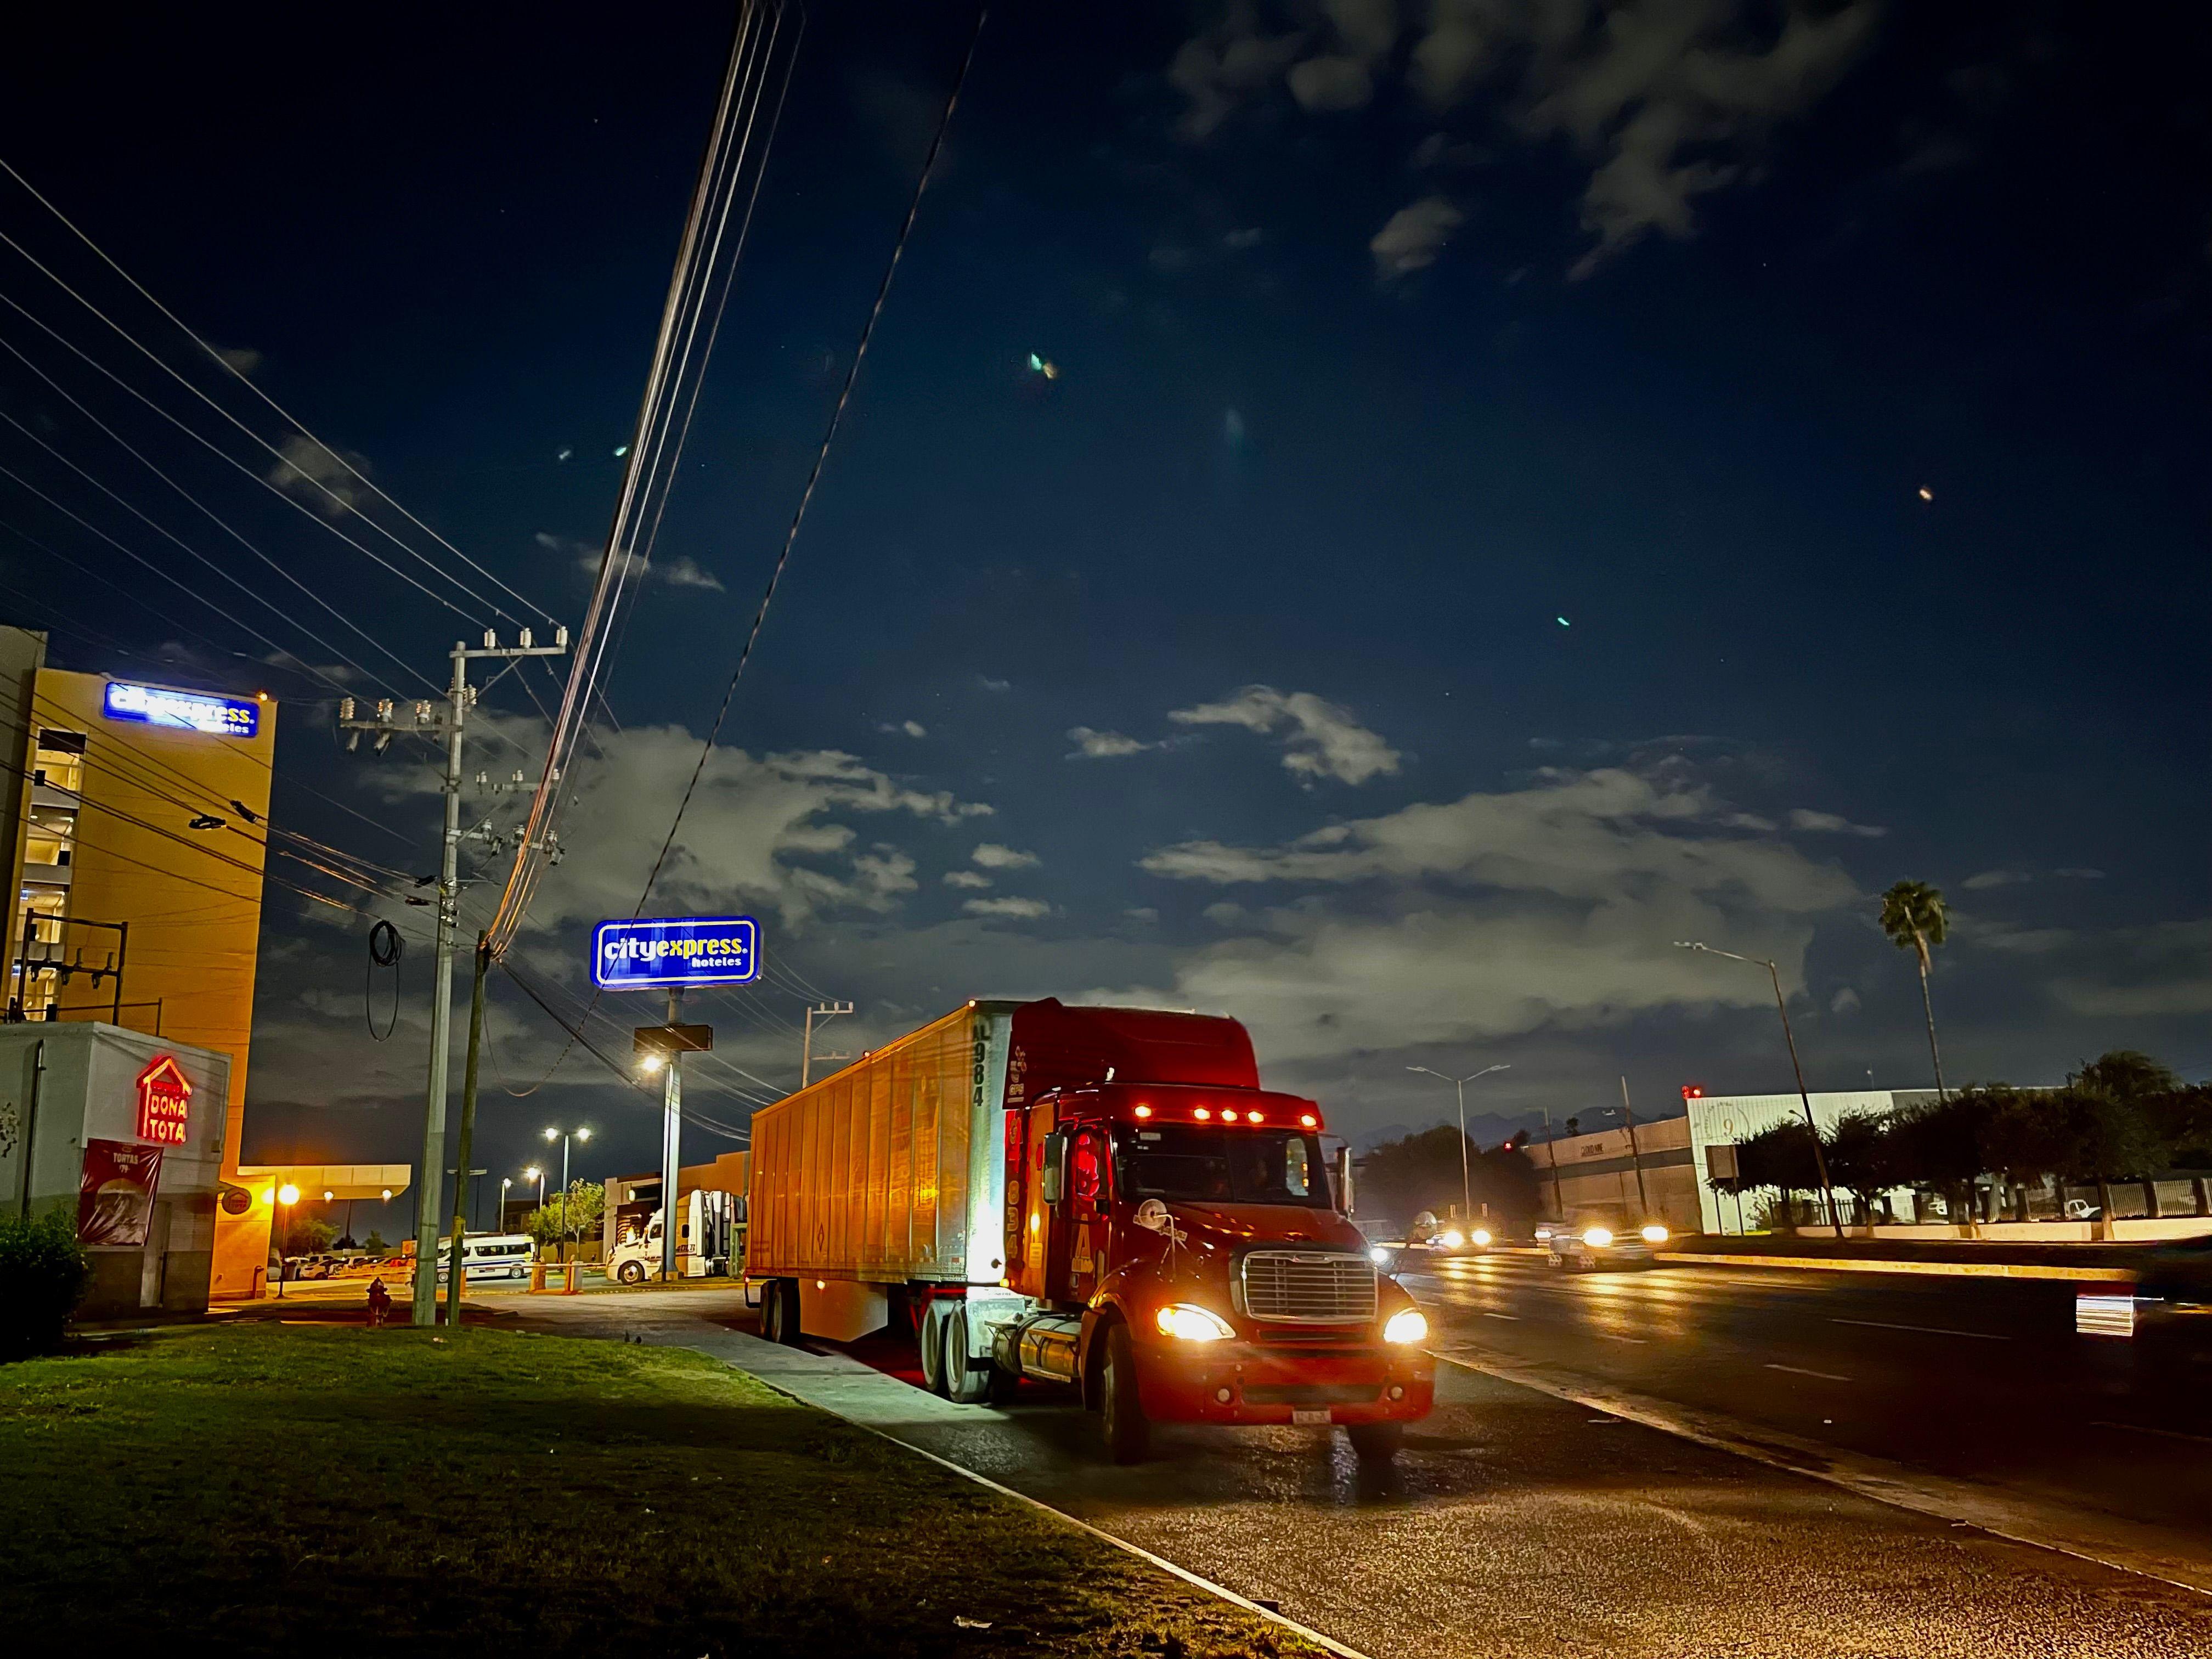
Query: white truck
point(713, 1237)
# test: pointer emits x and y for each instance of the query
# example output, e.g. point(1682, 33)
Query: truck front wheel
point(631, 1272)
point(1127, 1434)
point(1374, 1442)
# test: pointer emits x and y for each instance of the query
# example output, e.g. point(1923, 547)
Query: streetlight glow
point(287, 1194)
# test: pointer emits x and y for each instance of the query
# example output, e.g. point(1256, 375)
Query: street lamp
point(537, 1173)
point(564, 1136)
point(505, 1181)
point(1466, 1177)
point(1819, 1158)
point(287, 1196)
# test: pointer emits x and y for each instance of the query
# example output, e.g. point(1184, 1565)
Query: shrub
point(43, 1269)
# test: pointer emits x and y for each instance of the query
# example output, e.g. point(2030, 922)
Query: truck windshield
point(1209, 1165)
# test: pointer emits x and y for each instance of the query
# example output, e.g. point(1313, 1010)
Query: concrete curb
point(1868, 1265)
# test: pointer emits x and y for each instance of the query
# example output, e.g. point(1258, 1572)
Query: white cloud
point(993, 856)
point(911, 728)
point(971, 878)
point(1103, 745)
point(1845, 1001)
point(1670, 100)
point(242, 359)
point(1019, 909)
point(1321, 738)
point(1552, 906)
point(774, 830)
point(1225, 914)
point(2163, 971)
point(669, 573)
point(318, 475)
point(1830, 823)
point(1410, 238)
point(1989, 878)
point(990, 684)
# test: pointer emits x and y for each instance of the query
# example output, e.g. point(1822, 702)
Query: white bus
point(487, 1258)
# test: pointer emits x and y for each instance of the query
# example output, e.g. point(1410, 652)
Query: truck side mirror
point(1343, 1179)
point(1052, 1180)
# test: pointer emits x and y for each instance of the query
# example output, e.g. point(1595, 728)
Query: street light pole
point(562, 1136)
point(1465, 1173)
point(1782, 1008)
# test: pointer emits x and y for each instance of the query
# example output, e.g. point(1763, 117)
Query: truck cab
point(1180, 1252)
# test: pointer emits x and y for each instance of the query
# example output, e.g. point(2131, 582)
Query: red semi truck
point(1104, 1197)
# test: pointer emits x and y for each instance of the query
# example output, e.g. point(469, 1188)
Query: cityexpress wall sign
point(680, 950)
point(165, 1102)
point(187, 711)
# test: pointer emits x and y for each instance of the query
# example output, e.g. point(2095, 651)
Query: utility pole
point(427, 722)
point(672, 1134)
point(1552, 1157)
point(468, 1132)
point(1635, 1156)
point(827, 1011)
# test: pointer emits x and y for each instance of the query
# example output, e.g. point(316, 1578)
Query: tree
point(1938, 1144)
point(2108, 1105)
point(309, 1235)
point(1915, 917)
point(553, 1222)
point(1400, 1178)
point(374, 1244)
point(1859, 1158)
point(2024, 1136)
point(1779, 1156)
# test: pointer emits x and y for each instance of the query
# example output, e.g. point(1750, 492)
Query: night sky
point(1522, 484)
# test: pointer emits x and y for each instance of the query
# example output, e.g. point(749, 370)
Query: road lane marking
point(1799, 1371)
point(1488, 1312)
point(1612, 1336)
point(2144, 1428)
point(1932, 1330)
point(2107, 1540)
point(1868, 1265)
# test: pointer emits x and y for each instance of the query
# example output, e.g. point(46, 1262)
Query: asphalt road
point(1978, 1380)
point(1516, 1525)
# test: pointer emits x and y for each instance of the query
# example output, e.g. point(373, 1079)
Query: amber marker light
point(1254, 1117)
point(1229, 1117)
point(1143, 1111)
point(1307, 1120)
point(1203, 1116)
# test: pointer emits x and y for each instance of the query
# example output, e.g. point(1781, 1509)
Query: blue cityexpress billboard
point(638, 955)
point(189, 711)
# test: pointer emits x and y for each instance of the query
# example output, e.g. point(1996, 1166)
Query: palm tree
point(1914, 917)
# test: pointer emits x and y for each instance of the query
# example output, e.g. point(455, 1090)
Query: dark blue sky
point(1383, 343)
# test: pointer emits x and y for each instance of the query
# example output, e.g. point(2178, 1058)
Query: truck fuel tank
point(1040, 1345)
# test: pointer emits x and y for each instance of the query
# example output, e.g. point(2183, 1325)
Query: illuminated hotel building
point(137, 815)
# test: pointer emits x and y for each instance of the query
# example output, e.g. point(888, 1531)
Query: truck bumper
point(1247, 1383)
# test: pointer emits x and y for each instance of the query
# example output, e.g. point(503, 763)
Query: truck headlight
point(1451, 1238)
point(1654, 1234)
point(1482, 1236)
point(1407, 1325)
point(1192, 1323)
point(1378, 1255)
point(1597, 1237)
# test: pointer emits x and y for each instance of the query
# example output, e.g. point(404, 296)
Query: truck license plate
point(1310, 1416)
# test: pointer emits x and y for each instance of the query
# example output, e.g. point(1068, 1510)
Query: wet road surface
point(1515, 1524)
point(1981, 1380)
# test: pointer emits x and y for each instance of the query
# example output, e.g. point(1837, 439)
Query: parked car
point(1590, 1241)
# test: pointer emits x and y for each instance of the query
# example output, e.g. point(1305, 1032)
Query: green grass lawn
point(334, 1490)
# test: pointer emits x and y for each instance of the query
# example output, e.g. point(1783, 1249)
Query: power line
point(221, 523)
point(232, 369)
point(821, 455)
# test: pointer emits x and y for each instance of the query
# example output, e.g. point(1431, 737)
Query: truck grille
point(1309, 1287)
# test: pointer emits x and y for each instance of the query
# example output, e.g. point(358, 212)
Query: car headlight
point(1192, 1323)
point(1378, 1255)
point(1542, 1233)
point(1451, 1238)
point(1654, 1234)
point(1482, 1235)
point(1407, 1325)
point(1597, 1237)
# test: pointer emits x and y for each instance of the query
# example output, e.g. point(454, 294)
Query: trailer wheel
point(1374, 1442)
point(965, 1383)
point(1127, 1434)
point(779, 1311)
point(932, 1347)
